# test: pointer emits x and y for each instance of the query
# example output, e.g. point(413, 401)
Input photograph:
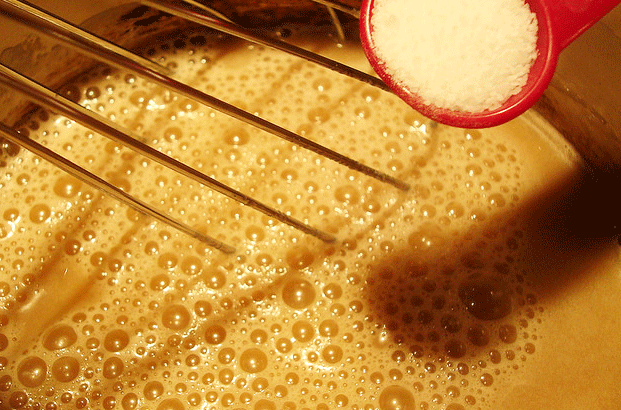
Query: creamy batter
point(436, 298)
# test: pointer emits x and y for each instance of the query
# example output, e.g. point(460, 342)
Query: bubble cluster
point(424, 302)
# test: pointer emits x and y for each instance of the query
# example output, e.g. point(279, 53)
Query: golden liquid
point(457, 294)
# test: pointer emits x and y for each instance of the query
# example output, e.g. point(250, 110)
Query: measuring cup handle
point(571, 18)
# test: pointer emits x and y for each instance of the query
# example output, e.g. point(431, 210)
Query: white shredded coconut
point(463, 55)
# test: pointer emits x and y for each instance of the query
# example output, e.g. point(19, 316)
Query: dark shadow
point(478, 293)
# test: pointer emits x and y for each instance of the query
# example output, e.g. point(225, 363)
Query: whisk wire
point(76, 112)
point(114, 55)
point(195, 16)
point(109, 189)
point(65, 30)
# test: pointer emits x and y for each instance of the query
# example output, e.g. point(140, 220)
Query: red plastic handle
point(571, 18)
point(559, 23)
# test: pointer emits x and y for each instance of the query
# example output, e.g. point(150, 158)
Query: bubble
point(93, 92)
point(113, 368)
point(371, 205)
point(507, 333)
point(191, 265)
point(151, 248)
point(284, 345)
point(171, 404)
point(194, 399)
point(172, 134)
point(6, 382)
point(299, 257)
point(4, 342)
point(153, 389)
point(65, 369)
point(478, 335)
point(260, 384)
point(485, 299)
point(236, 136)
point(253, 360)
point(226, 355)
point(98, 259)
point(341, 400)
point(332, 353)
point(202, 308)
point(226, 376)
point(495, 356)
point(450, 323)
point(264, 404)
point(426, 237)
point(455, 210)
point(258, 336)
point(486, 379)
point(92, 343)
point(40, 213)
point(176, 317)
point(303, 331)
point(425, 317)
point(72, 247)
point(116, 340)
point(159, 282)
point(18, 399)
point(347, 194)
point(474, 170)
point(32, 371)
point(396, 398)
point(109, 402)
point(167, 261)
point(497, 200)
point(298, 293)
point(5, 289)
point(130, 401)
point(255, 233)
point(6, 231)
point(318, 115)
point(215, 334)
point(428, 211)
point(455, 349)
point(332, 291)
point(67, 187)
point(214, 279)
point(452, 392)
point(192, 360)
point(139, 98)
point(328, 327)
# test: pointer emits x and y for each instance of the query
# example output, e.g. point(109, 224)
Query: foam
point(162, 321)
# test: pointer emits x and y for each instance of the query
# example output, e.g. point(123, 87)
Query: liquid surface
point(448, 296)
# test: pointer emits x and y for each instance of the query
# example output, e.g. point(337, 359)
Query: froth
point(422, 303)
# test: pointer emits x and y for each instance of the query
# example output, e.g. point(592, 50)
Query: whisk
point(114, 55)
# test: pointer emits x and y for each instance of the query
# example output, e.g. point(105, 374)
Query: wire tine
point(88, 43)
point(120, 60)
point(258, 122)
point(209, 10)
point(336, 23)
point(352, 11)
point(43, 96)
point(184, 12)
point(104, 186)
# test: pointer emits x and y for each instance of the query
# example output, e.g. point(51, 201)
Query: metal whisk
point(114, 55)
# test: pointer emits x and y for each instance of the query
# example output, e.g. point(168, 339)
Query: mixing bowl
point(492, 283)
